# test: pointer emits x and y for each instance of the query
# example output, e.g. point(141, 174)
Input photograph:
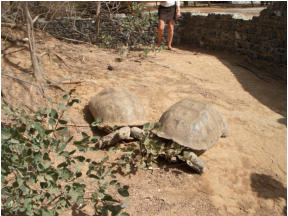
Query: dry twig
point(30, 83)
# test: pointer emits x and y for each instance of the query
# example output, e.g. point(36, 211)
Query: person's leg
point(170, 33)
point(161, 25)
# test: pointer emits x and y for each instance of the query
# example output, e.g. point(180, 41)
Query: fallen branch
point(69, 81)
point(55, 85)
point(10, 25)
point(6, 102)
point(61, 59)
point(13, 39)
point(4, 53)
point(74, 125)
point(33, 84)
point(78, 41)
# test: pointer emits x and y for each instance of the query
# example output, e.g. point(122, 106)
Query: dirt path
point(246, 172)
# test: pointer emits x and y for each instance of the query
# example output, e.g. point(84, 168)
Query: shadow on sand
point(268, 88)
point(268, 188)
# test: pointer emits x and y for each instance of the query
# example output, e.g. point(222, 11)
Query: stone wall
point(84, 30)
point(262, 38)
point(72, 29)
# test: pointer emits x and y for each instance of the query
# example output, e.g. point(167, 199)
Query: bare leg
point(170, 33)
point(193, 161)
point(161, 25)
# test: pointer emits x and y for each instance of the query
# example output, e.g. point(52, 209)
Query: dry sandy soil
point(246, 172)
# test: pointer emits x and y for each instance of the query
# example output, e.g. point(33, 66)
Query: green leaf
point(38, 127)
point(78, 174)
point(62, 107)
point(5, 133)
point(63, 164)
point(128, 167)
point(46, 157)
point(20, 148)
point(64, 132)
point(53, 114)
point(71, 91)
point(40, 178)
point(14, 141)
point(73, 101)
point(80, 158)
point(78, 167)
point(115, 209)
point(105, 159)
point(148, 126)
point(124, 191)
point(62, 121)
point(84, 135)
point(47, 132)
point(93, 176)
point(96, 122)
point(66, 98)
point(45, 212)
point(51, 121)
point(65, 174)
point(27, 202)
point(60, 128)
point(60, 148)
point(72, 152)
point(43, 185)
point(113, 182)
point(95, 139)
point(124, 214)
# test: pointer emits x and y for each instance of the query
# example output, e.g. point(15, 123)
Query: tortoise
point(193, 127)
point(118, 109)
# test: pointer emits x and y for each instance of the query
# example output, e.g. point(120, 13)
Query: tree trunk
point(37, 69)
point(98, 10)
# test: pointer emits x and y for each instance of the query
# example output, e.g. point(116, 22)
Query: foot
point(170, 48)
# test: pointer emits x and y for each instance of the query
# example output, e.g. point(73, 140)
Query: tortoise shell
point(192, 124)
point(117, 107)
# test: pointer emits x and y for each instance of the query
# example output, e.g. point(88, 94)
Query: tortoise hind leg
point(193, 161)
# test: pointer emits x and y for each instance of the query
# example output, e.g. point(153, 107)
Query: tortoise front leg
point(193, 161)
point(115, 137)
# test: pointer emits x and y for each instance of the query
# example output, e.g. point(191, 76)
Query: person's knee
point(171, 25)
point(161, 26)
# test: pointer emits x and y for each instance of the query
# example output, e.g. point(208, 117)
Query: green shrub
point(33, 183)
point(137, 29)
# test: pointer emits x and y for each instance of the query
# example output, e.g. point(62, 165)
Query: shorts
point(167, 13)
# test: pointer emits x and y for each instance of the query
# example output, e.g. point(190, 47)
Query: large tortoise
point(118, 109)
point(193, 127)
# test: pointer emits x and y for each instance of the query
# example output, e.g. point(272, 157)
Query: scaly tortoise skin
point(194, 127)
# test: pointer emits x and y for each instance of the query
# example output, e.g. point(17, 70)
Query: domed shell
point(117, 107)
point(192, 124)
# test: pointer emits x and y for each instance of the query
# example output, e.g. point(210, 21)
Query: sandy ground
point(246, 172)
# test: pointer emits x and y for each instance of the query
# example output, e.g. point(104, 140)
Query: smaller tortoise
point(193, 127)
point(117, 108)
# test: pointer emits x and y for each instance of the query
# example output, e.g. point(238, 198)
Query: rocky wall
point(84, 30)
point(262, 38)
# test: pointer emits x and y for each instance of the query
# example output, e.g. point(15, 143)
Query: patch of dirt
point(246, 172)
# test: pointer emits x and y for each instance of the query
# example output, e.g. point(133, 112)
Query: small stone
point(110, 68)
